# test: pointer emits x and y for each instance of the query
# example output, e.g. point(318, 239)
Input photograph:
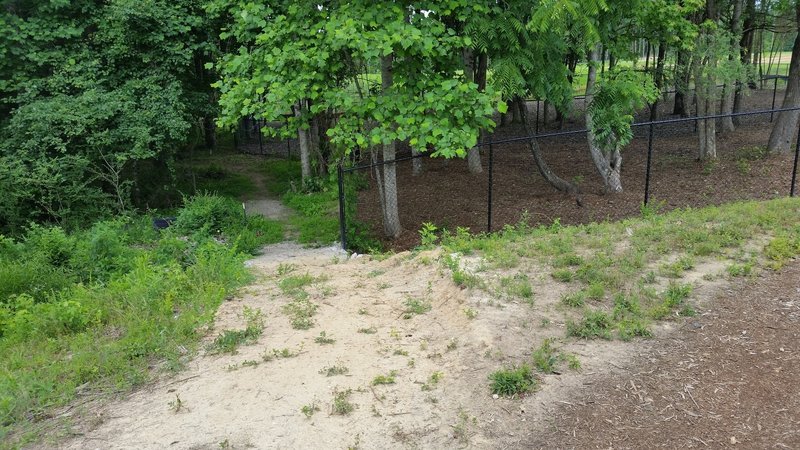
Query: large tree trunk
point(728, 96)
point(391, 215)
point(473, 154)
point(608, 162)
point(705, 93)
point(304, 140)
point(780, 140)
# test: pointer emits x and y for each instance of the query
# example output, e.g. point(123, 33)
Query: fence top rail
point(581, 131)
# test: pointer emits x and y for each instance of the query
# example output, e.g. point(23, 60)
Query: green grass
point(216, 180)
point(546, 358)
point(230, 340)
point(595, 324)
point(316, 205)
point(384, 379)
point(341, 403)
point(518, 286)
point(99, 308)
point(625, 260)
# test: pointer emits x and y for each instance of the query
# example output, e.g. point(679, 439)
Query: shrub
point(209, 215)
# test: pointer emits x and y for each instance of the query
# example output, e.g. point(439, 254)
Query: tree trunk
point(728, 96)
point(473, 154)
point(705, 96)
point(609, 164)
point(304, 140)
point(682, 78)
point(780, 140)
point(210, 133)
point(391, 215)
point(544, 169)
point(746, 51)
point(659, 78)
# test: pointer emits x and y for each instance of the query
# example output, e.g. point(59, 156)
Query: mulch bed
point(447, 195)
point(726, 379)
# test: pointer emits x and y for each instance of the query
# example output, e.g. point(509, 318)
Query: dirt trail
point(253, 399)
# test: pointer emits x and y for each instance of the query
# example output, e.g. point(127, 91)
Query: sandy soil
point(245, 401)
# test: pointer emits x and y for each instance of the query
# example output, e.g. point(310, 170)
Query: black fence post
point(649, 162)
point(774, 91)
point(342, 219)
point(537, 116)
point(794, 167)
point(258, 130)
point(491, 172)
point(236, 137)
point(288, 139)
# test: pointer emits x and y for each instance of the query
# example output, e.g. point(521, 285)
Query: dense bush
point(98, 306)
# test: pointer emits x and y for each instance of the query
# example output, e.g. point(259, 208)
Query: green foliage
point(545, 358)
point(209, 216)
point(319, 53)
point(91, 90)
point(615, 98)
point(95, 308)
point(513, 381)
point(427, 235)
point(416, 306)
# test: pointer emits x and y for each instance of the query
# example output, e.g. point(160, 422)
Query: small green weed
point(627, 329)
point(310, 409)
point(427, 233)
point(336, 369)
point(545, 358)
point(513, 381)
point(574, 299)
point(415, 306)
point(370, 330)
point(563, 275)
point(740, 270)
point(470, 313)
point(230, 340)
point(324, 339)
point(341, 403)
point(384, 379)
point(300, 312)
point(517, 286)
point(595, 324)
point(433, 380)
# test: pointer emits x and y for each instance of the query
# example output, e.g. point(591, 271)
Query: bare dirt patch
point(406, 354)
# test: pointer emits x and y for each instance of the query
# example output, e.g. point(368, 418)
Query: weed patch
point(513, 381)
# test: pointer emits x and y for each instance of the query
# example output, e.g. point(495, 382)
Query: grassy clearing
point(97, 308)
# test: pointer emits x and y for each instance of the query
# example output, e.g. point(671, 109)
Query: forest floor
point(447, 195)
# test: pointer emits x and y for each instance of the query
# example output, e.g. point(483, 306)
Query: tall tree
point(308, 49)
point(90, 91)
point(785, 128)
